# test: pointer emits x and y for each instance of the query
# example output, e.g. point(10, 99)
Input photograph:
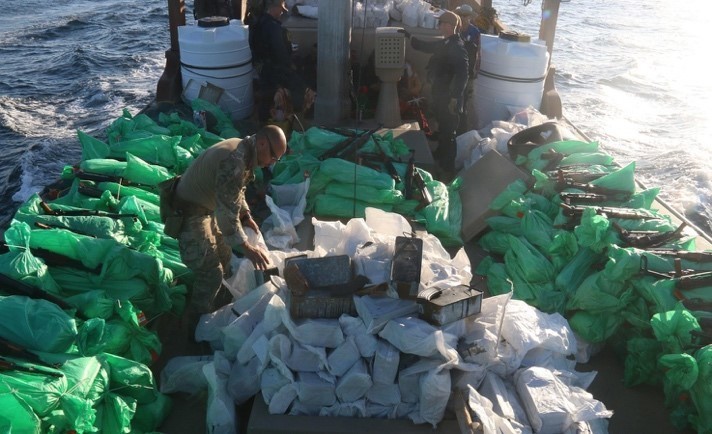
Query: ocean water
point(632, 75)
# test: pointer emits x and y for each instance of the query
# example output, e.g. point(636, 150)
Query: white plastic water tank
point(217, 51)
point(511, 76)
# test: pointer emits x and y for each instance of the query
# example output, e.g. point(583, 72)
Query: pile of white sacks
point(514, 364)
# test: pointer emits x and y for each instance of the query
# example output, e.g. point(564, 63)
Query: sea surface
point(633, 75)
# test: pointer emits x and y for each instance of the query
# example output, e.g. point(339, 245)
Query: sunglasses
point(271, 150)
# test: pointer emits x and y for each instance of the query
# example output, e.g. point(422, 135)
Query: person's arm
point(458, 62)
point(231, 206)
point(426, 46)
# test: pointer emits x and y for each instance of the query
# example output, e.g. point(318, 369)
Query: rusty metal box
point(320, 287)
point(406, 265)
point(443, 306)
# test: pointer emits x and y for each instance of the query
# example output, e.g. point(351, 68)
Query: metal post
point(547, 28)
point(169, 85)
point(333, 49)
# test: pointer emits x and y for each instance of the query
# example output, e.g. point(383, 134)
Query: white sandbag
point(280, 349)
point(282, 399)
point(318, 332)
point(409, 386)
point(385, 363)
point(252, 298)
point(387, 223)
point(210, 326)
point(378, 411)
point(242, 280)
point(434, 395)
point(353, 326)
point(244, 380)
point(273, 314)
point(375, 312)
point(343, 357)
point(438, 269)
point(278, 228)
point(552, 360)
point(504, 401)
point(314, 391)
point(345, 409)
point(235, 334)
point(353, 385)
point(552, 406)
point(184, 374)
point(526, 327)
point(306, 358)
point(384, 394)
point(220, 417)
point(373, 261)
point(492, 423)
point(271, 382)
point(595, 426)
point(327, 235)
point(292, 198)
point(415, 336)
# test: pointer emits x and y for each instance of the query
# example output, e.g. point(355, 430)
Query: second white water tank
point(217, 51)
point(511, 76)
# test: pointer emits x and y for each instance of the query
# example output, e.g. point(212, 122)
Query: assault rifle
point(573, 175)
point(563, 183)
point(645, 239)
point(414, 181)
point(53, 259)
point(10, 349)
point(16, 287)
point(98, 177)
point(347, 147)
point(9, 365)
point(582, 197)
point(684, 279)
point(82, 212)
point(610, 212)
point(683, 254)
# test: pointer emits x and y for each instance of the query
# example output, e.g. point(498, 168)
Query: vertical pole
point(169, 85)
point(333, 49)
point(547, 28)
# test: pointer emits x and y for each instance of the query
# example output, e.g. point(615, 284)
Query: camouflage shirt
point(217, 180)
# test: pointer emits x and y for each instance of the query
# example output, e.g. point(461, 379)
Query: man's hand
point(255, 254)
point(452, 107)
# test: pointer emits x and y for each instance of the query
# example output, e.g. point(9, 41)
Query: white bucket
point(511, 76)
point(218, 52)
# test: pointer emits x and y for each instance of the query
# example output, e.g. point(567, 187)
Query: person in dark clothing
point(447, 73)
point(272, 56)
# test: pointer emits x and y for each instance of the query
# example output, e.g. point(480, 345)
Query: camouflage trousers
point(203, 250)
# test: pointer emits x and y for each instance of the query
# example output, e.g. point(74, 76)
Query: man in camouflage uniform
point(211, 197)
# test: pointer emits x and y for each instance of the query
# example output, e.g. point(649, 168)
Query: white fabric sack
point(220, 417)
point(373, 261)
point(253, 297)
point(409, 386)
point(273, 314)
point(385, 363)
point(375, 312)
point(415, 336)
point(292, 198)
point(271, 382)
point(185, 374)
point(282, 399)
point(504, 400)
point(235, 334)
point(244, 380)
point(242, 279)
point(384, 394)
point(492, 423)
point(343, 357)
point(278, 229)
point(387, 223)
point(552, 406)
point(346, 409)
point(327, 235)
point(434, 395)
point(318, 332)
point(210, 326)
point(353, 326)
point(300, 409)
point(353, 385)
point(314, 391)
point(306, 358)
point(526, 327)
